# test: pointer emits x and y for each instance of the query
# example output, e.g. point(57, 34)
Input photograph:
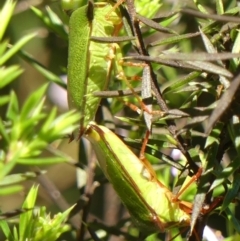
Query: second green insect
point(90, 63)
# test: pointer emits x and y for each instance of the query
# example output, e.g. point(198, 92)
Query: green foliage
point(26, 132)
point(36, 224)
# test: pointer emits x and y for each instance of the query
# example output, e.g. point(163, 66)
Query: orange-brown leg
point(193, 179)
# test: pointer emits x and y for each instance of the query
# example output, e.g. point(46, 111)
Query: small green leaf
point(7, 75)
point(226, 172)
point(43, 70)
point(5, 15)
point(52, 21)
point(26, 227)
point(20, 177)
point(43, 161)
point(15, 48)
point(4, 100)
point(5, 191)
point(232, 192)
point(34, 103)
point(13, 109)
point(6, 230)
point(233, 220)
point(178, 84)
point(220, 8)
point(173, 39)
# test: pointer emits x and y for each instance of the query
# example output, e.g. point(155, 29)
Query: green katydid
point(89, 62)
point(152, 206)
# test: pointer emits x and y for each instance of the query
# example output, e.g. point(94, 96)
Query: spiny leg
point(145, 103)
